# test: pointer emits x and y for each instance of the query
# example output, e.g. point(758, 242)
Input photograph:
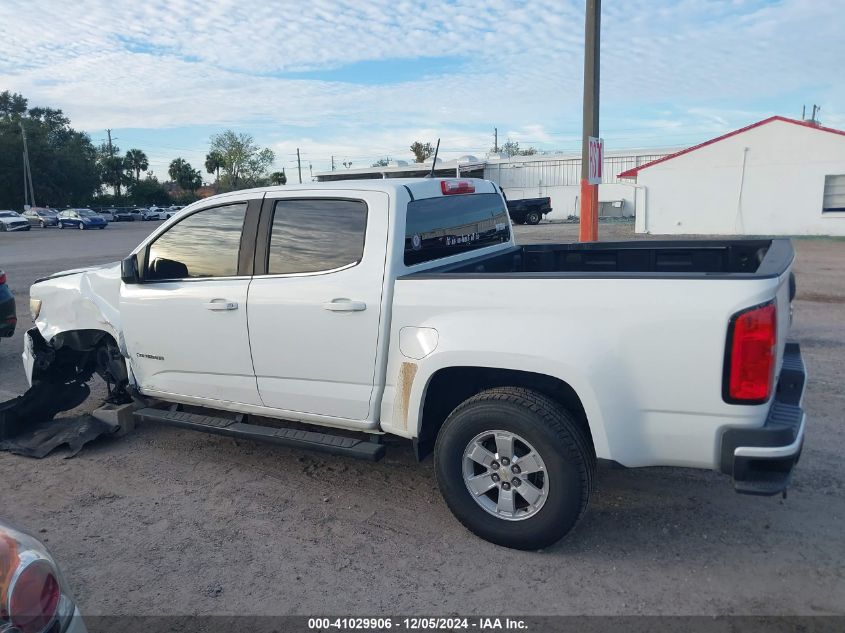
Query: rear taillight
point(450, 187)
point(750, 355)
point(2, 277)
point(34, 597)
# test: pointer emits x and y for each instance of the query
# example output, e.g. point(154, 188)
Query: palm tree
point(137, 161)
point(176, 169)
point(213, 164)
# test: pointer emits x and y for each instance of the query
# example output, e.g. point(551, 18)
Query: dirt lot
point(174, 522)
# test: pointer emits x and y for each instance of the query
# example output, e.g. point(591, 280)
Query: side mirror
point(129, 273)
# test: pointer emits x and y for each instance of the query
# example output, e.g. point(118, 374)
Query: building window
point(834, 194)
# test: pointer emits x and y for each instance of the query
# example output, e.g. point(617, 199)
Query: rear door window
point(448, 225)
point(316, 235)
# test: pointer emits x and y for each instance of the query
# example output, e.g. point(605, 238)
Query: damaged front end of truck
point(61, 358)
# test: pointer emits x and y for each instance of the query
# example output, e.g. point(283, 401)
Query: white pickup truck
point(405, 307)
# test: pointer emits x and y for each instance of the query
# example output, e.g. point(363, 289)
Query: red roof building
point(778, 176)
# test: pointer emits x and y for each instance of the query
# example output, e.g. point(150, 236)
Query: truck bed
point(677, 259)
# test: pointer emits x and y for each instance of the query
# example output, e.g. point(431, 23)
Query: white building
point(776, 177)
point(557, 176)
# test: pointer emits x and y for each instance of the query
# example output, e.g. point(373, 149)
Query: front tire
point(514, 467)
point(42, 224)
point(81, 226)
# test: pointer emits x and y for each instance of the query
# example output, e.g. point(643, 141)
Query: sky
point(360, 80)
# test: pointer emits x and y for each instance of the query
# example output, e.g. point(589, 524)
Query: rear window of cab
point(444, 226)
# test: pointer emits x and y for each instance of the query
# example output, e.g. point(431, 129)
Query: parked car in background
point(81, 219)
point(41, 216)
point(34, 597)
point(13, 221)
point(8, 315)
point(529, 210)
point(107, 214)
point(171, 211)
point(123, 214)
point(154, 213)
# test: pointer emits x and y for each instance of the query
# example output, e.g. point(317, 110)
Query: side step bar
point(311, 440)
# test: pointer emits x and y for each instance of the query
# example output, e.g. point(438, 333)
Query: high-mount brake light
point(451, 187)
point(750, 355)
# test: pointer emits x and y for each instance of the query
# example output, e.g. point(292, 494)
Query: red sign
point(596, 160)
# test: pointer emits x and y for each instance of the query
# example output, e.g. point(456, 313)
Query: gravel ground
point(172, 522)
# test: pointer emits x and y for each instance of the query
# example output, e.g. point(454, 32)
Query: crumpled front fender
point(86, 300)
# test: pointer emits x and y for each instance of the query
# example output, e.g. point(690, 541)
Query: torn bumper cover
point(28, 354)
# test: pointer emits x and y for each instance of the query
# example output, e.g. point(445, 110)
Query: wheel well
point(76, 354)
point(451, 386)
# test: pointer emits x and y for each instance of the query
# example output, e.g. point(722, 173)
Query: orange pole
point(589, 224)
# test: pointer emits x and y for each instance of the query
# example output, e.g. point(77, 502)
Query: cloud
point(322, 75)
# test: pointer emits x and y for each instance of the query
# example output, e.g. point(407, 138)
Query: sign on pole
point(596, 159)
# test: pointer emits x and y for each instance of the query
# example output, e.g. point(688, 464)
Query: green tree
point(184, 175)
point(381, 162)
point(511, 148)
point(244, 164)
point(113, 168)
point(148, 191)
point(421, 151)
point(63, 161)
point(136, 162)
point(213, 165)
point(279, 178)
point(12, 105)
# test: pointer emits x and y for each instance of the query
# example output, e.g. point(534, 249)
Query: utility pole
point(299, 165)
point(589, 228)
point(111, 155)
point(332, 163)
point(495, 140)
point(28, 189)
point(25, 183)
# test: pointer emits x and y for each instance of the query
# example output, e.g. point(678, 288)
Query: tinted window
point(447, 225)
point(204, 244)
point(314, 235)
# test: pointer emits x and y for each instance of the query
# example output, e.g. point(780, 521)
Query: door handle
point(344, 305)
point(221, 304)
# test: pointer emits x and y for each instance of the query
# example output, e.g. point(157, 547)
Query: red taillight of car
point(2, 277)
point(34, 597)
point(750, 359)
point(451, 187)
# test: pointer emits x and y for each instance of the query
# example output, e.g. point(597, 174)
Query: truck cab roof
point(418, 188)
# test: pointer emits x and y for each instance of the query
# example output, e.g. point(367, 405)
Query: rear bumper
point(761, 460)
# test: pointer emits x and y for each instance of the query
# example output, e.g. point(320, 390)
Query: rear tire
point(81, 226)
point(539, 428)
point(42, 225)
point(532, 218)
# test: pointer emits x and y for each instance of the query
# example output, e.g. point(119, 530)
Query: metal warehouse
point(554, 175)
point(778, 176)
